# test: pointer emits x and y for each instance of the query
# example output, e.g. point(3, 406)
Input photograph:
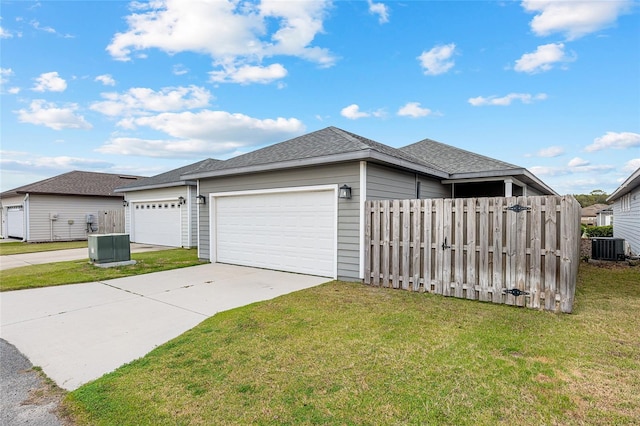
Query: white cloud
point(632, 165)
point(414, 110)
point(48, 114)
point(14, 90)
point(140, 100)
point(573, 18)
point(106, 79)
point(203, 133)
point(352, 112)
point(543, 59)
point(50, 82)
point(180, 69)
point(249, 74)
point(49, 163)
point(212, 125)
point(525, 98)
point(614, 140)
point(5, 73)
point(578, 162)
point(550, 152)
point(379, 9)
point(233, 34)
point(5, 33)
point(438, 60)
point(35, 24)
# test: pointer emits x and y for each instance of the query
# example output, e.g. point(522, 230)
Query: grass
point(21, 248)
point(80, 271)
point(344, 353)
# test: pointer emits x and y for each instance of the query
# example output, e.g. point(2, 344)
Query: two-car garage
point(285, 229)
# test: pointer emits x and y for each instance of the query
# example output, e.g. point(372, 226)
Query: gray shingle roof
point(454, 160)
point(167, 178)
point(330, 141)
point(76, 183)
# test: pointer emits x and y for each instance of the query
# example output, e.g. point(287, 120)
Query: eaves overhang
point(366, 154)
point(156, 186)
point(520, 174)
point(627, 186)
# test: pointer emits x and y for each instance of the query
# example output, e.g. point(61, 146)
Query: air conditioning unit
point(107, 248)
point(607, 248)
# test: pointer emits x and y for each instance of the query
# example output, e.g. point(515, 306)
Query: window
point(418, 190)
point(625, 203)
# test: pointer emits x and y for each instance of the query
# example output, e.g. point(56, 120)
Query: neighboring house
point(60, 208)
point(604, 217)
point(626, 211)
point(161, 209)
point(279, 207)
point(589, 214)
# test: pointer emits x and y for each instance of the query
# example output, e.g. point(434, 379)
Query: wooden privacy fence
point(111, 221)
point(521, 251)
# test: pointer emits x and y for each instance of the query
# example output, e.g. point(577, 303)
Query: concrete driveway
point(79, 332)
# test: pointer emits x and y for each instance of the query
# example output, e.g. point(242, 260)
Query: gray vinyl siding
point(71, 210)
point(187, 214)
point(626, 224)
point(531, 192)
point(385, 183)
point(433, 188)
point(337, 174)
point(192, 224)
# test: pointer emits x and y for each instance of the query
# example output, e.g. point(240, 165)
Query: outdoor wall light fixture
point(201, 199)
point(180, 201)
point(344, 192)
point(125, 203)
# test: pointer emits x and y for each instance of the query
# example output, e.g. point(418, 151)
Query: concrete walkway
point(27, 259)
point(79, 332)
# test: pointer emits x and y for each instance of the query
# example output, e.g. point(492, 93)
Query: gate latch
point(516, 292)
point(518, 208)
point(444, 245)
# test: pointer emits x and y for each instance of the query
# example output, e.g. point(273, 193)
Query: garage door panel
point(15, 222)
point(159, 225)
point(293, 231)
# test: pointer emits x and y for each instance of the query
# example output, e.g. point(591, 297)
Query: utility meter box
point(107, 248)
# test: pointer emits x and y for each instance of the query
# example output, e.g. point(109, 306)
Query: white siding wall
point(348, 210)
point(626, 224)
point(71, 210)
point(171, 193)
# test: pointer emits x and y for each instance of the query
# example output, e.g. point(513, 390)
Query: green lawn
point(79, 271)
point(348, 354)
point(21, 248)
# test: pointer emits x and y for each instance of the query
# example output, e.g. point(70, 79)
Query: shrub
point(599, 231)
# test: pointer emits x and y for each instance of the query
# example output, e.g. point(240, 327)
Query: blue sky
point(145, 87)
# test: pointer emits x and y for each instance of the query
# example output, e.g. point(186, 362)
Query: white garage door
point(156, 222)
point(15, 222)
point(286, 231)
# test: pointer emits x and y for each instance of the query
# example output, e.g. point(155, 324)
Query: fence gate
point(111, 221)
point(521, 251)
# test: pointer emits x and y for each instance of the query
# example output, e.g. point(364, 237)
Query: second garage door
point(288, 231)
point(156, 222)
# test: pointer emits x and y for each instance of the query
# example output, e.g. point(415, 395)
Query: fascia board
point(627, 186)
point(155, 186)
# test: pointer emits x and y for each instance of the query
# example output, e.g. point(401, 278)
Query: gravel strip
point(25, 398)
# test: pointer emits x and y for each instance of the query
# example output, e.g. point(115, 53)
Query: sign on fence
point(521, 251)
